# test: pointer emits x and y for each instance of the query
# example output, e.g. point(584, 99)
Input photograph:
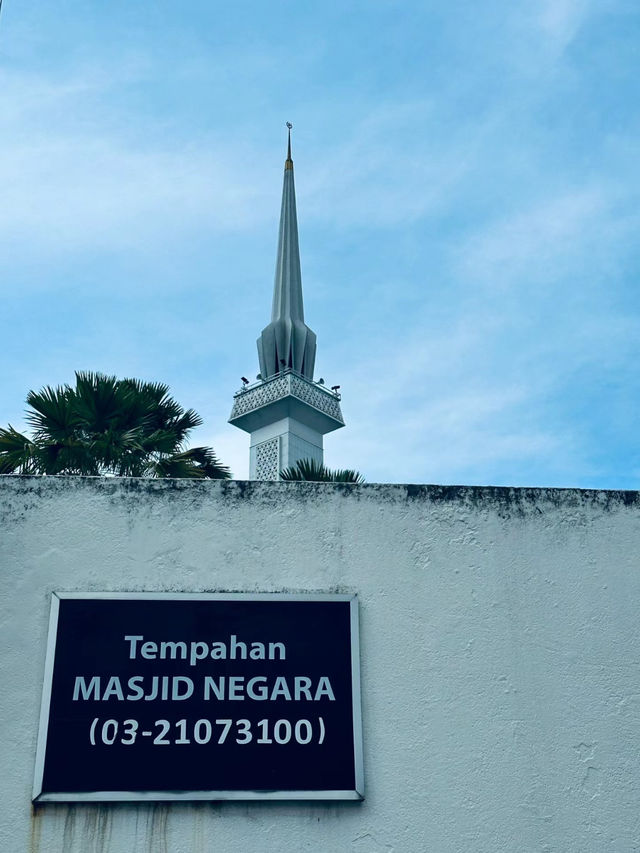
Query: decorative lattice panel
point(268, 459)
point(274, 389)
point(260, 396)
point(312, 394)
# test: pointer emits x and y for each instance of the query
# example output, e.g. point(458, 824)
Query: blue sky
point(468, 188)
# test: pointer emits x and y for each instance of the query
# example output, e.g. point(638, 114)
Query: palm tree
point(106, 425)
point(309, 469)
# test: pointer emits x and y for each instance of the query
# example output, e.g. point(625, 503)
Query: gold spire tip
point(288, 163)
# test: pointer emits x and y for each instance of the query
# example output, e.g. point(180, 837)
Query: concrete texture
point(500, 655)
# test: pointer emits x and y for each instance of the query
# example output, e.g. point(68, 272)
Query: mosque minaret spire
point(286, 411)
point(287, 341)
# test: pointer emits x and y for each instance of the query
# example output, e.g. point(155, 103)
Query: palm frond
point(96, 401)
point(53, 416)
point(310, 470)
point(207, 462)
point(18, 454)
point(346, 475)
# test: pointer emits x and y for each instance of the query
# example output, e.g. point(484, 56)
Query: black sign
point(158, 696)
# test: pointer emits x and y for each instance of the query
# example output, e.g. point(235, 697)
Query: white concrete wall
point(500, 655)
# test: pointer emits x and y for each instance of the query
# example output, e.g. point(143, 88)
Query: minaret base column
point(280, 445)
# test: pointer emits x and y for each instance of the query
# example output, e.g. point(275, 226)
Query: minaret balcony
point(288, 394)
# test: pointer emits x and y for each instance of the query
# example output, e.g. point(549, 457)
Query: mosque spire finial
point(288, 164)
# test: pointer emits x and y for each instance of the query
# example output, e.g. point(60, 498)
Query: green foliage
point(105, 425)
point(309, 469)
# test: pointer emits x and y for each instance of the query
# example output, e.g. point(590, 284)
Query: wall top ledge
point(517, 499)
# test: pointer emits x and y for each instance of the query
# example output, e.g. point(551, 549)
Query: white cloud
point(391, 165)
point(438, 407)
point(78, 176)
point(560, 20)
point(543, 30)
point(443, 440)
point(538, 239)
point(68, 194)
point(231, 447)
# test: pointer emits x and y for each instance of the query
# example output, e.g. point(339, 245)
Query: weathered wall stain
point(156, 835)
point(68, 835)
point(143, 493)
point(34, 830)
point(98, 828)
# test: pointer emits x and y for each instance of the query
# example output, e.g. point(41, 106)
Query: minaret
point(285, 411)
